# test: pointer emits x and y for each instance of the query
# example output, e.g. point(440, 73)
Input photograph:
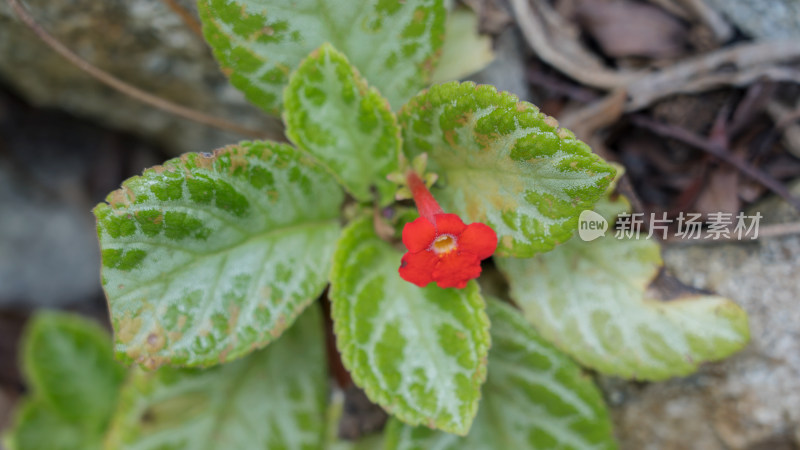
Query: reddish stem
point(426, 204)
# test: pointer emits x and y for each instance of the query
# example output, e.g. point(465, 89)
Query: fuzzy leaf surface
point(38, 426)
point(420, 353)
point(272, 399)
point(503, 163)
point(70, 364)
point(258, 43)
point(535, 397)
point(591, 299)
point(209, 257)
point(74, 384)
point(333, 114)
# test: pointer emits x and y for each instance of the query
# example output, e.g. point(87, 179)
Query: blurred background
point(698, 99)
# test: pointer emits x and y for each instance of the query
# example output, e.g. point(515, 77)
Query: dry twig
point(185, 16)
point(737, 65)
point(549, 38)
point(587, 121)
point(704, 72)
point(719, 152)
point(785, 119)
point(709, 17)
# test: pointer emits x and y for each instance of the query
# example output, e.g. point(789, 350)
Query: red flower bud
point(441, 247)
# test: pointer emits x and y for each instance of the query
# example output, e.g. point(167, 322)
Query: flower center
point(444, 243)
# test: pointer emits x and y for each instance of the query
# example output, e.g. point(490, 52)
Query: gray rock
point(49, 254)
point(141, 42)
point(752, 400)
point(762, 18)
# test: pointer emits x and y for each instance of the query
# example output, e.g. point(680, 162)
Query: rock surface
point(53, 170)
point(48, 254)
point(752, 400)
point(141, 42)
point(762, 19)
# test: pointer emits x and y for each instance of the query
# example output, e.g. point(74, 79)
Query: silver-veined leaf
point(209, 257)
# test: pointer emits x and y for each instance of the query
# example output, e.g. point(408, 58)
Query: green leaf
point(272, 399)
point(591, 299)
point(39, 427)
point(331, 113)
point(465, 51)
point(70, 364)
point(74, 383)
point(212, 256)
point(420, 353)
point(259, 42)
point(535, 397)
point(503, 163)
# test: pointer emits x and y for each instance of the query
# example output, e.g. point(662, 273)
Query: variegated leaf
point(418, 352)
point(271, 399)
point(209, 257)
point(331, 113)
point(535, 397)
point(592, 300)
point(503, 163)
point(259, 42)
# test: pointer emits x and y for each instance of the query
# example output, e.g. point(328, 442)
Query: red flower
point(441, 247)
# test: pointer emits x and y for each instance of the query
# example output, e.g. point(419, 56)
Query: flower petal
point(418, 267)
point(449, 224)
point(418, 235)
point(455, 269)
point(478, 239)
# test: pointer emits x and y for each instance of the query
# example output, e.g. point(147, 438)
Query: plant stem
point(426, 204)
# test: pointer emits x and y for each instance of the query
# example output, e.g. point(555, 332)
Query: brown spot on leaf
point(122, 197)
point(551, 121)
point(223, 355)
point(204, 162)
point(449, 136)
point(156, 340)
point(233, 317)
point(280, 325)
point(237, 160)
point(474, 210)
point(464, 119)
point(149, 362)
point(128, 328)
point(486, 140)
